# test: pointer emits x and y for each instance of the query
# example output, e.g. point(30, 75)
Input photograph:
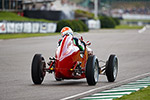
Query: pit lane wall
point(27, 27)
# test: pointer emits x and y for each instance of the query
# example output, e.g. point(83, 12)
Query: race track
point(132, 49)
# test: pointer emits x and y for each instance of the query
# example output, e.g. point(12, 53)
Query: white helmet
point(66, 31)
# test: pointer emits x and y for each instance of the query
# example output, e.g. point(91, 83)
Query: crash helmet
point(66, 31)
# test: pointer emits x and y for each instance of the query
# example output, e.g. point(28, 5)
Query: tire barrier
point(27, 27)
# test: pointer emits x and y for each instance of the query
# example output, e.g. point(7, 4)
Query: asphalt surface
point(132, 49)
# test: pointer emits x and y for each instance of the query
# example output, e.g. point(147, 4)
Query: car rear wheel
point(38, 69)
point(92, 70)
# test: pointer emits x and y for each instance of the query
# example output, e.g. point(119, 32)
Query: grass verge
point(143, 94)
point(10, 16)
point(25, 35)
point(128, 27)
point(134, 20)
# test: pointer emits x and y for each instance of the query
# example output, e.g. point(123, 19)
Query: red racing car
point(71, 63)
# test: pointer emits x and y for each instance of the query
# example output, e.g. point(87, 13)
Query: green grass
point(128, 27)
point(10, 16)
point(143, 94)
point(25, 35)
point(136, 20)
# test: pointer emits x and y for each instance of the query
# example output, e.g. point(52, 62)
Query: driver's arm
point(78, 43)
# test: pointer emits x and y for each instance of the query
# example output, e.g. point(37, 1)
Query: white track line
point(142, 30)
point(89, 91)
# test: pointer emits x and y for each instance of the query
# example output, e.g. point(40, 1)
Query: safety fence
point(27, 27)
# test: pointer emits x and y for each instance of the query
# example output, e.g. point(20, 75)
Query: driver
point(68, 31)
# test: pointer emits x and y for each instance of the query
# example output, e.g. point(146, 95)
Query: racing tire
point(92, 70)
point(37, 69)
point(112, 68)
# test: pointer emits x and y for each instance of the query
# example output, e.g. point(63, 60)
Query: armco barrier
point(35, 27)
point(18, 27)
point(2, 27)
point(27, 27)
point(10, 26)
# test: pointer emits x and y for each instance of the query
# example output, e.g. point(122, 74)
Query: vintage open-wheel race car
point(71, 63)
